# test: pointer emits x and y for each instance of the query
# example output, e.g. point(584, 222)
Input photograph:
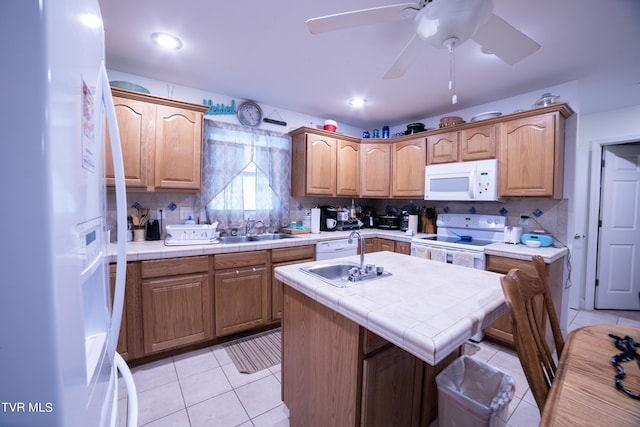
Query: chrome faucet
point(353, 233)
point(250, 226)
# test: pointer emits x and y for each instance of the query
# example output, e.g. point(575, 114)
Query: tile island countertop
point(425, 307)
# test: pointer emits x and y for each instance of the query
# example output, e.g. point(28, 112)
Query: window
point(246, 175)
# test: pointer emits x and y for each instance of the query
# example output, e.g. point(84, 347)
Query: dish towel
point(463, 259)
point(438, 255)
point(422, 251)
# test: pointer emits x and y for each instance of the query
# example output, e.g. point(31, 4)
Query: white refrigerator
point(59, 324)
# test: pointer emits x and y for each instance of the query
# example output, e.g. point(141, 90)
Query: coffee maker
point(328, 218)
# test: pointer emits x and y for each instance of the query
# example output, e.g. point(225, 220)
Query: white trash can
point(473, 393)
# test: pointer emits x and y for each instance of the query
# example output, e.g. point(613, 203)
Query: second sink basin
point(254, 238)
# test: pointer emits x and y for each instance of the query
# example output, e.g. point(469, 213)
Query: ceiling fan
point(441, 23)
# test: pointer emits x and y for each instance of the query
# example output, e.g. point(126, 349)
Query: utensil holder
point(138, 233)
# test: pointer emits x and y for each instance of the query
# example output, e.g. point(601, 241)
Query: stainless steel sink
point(341, 275)
point(254, 238)
point(274, 236)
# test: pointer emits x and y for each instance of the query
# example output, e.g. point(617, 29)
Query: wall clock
point(249, 114)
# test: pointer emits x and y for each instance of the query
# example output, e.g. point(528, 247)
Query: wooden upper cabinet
point(375, 164)
point(531, 156)
point(472, 143)
point(478, 143)
point(321, 165)
point(324, 164)
point(442, 148)
point(161, 142)
point(136, 121)
point(408, 159)
point(178, 156)
point(347, 168)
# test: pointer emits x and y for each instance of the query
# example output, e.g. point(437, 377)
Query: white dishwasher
point(336, 249)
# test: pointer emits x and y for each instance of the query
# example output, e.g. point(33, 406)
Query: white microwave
point(467, 181)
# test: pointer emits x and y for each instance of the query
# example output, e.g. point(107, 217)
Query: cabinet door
point(175, 311)
point(375, 163)
point(127, 334)
point(178, 155)
point(407, 168)
point(390, 394)
point(321, 165)
point(136, 123)
point(240, 299)
point(478, 143)
point(386, 245)
point(348, 169)
point(442, 148)
point(370, 245)
point(403, 248)
point(276, 289)
point(529, 158)
point(501, 330)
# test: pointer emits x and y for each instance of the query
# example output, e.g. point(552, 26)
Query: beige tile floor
point(203, 388)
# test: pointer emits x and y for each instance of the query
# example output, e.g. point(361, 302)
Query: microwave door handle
point(472, 184)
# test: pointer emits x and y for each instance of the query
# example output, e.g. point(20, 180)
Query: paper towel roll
point(315, 220)
point(413, 223)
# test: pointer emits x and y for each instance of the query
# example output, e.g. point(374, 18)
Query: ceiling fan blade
point(402, 63)
point(504, 40)
point(361, 17)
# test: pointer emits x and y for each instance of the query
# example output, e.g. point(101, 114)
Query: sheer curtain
point(246, 174)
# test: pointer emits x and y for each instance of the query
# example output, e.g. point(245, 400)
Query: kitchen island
point(368, 354)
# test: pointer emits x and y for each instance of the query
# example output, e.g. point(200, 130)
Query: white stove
point(460, 239)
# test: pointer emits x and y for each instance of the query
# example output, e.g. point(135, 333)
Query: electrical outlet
point(161, 214)
point(524, 219)
point(185, 213)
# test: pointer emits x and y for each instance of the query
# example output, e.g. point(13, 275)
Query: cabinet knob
point(237, 271)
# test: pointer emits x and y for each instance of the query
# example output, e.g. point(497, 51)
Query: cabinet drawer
point(292, 254)
point(174, 266)
point(502, 265)
point(240, 259)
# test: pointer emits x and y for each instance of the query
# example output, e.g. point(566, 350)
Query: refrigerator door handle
point(103, 93)
point(132, 396)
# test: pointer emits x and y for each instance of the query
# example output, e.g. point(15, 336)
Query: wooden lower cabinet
point(391, 388)
point(336, 373)
point(175, 302)
point(501, 330)
point(279, 258)
point(127, 338)
point(402, 247)
point(378, 244)
point(241, 291)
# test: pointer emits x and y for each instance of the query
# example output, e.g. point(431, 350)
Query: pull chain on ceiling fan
point(450, 44)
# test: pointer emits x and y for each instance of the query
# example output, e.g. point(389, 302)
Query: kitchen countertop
point(138, 251)
point(524, 252)
point(425, 307)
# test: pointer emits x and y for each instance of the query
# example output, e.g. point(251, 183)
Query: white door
point(618, 264)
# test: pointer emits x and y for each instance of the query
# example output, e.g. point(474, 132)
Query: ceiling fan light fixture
point(441, 20)
point(357, 102)
point(166, 40)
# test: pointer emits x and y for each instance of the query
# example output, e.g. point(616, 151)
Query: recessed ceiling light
point(166, 40)
point(357, 102)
